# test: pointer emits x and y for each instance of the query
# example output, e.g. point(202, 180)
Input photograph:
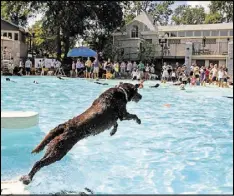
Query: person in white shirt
point(134, 74)
point(225, 78)
point(72, 72)
point(164, 73)
point(152, 70)
point(28, 65)
point(173, 76)
point(129, 67)
point(53, 64)
point(122, 67)
point(43, 67)
point(39, 64)
point(138, 75)
point(169, 70)
point(214, 73)
point(220, 77)
point(57, 64)
point(147, 70)
point(20, 64)
point(191, 67)
point(20, 68)
point(134, 66)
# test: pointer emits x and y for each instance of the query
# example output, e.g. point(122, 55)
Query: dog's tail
point(50, 136)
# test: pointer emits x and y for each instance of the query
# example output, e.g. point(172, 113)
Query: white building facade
point(209, 42)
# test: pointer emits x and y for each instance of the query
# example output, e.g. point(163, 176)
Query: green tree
point(44, 41)
point(64, 21)
point(185, 14)
point(19, 12)
point(132, 8)
point(224, 8)
point(162, 12)
point(213, 18)
point(147, 51)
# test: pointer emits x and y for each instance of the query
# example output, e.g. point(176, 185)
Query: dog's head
point(131, 91)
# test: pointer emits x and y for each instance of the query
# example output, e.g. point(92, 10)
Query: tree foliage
point(162, 12)
point(64, 21)
point(223, 8)
point(19, 12)
point(213, 18)
point(185, 14)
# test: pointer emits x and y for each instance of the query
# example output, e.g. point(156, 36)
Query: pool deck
point(13, 187)
point(19, 119)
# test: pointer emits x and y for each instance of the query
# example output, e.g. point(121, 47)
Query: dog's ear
point(137, 86)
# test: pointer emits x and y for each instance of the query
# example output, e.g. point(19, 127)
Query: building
point(209, 42)
point(14, 38)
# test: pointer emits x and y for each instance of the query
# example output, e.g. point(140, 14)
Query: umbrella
point(81, 51)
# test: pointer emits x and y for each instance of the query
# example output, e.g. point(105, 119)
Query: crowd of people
point(28, 68)
point(110, 70)
point(196, 75)
point(178, 74)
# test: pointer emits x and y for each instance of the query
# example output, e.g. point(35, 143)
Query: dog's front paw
point(25, 179)
point(113, 132)
point(138, 121)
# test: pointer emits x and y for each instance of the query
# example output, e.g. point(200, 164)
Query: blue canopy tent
point(81, 52)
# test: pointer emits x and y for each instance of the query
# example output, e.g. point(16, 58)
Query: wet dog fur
point(103, 114)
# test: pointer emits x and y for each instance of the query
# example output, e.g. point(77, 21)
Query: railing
point(219, 48)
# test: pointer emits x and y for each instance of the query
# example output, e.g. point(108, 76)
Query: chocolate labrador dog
point(102, 115)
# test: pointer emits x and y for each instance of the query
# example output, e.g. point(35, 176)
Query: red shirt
point(207, 72)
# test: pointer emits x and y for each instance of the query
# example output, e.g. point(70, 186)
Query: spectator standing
point(141, 68)
point(95, 68)
point(28, 65)
point(129, 68)
point(122, 68)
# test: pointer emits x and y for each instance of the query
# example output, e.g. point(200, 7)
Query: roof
point(11, 23)
point(220, 26)
point(145, 19)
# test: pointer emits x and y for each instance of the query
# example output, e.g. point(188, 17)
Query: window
point(231, 33)
point(214, 33)
point(134, 31)
point(210, 41)
point(223, 33)
point(173, 34)
point(181, 34)
point(198, 33)
point(10, 35)
point(149, 41)
point(174, 41)
point(4, 34)
point(189, 33)
point(206, 33)
point(16, 36)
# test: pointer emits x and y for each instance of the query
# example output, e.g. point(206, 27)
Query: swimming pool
point(185, 148)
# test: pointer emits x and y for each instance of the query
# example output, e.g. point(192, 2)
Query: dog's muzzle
point(137, 97)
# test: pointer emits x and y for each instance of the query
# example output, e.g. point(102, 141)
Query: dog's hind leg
point(50, 136)
point(55, 152)
point(113, 131)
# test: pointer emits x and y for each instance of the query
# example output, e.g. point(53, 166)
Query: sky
point(177, 3)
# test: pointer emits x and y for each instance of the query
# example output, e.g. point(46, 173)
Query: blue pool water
point(185, 148)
